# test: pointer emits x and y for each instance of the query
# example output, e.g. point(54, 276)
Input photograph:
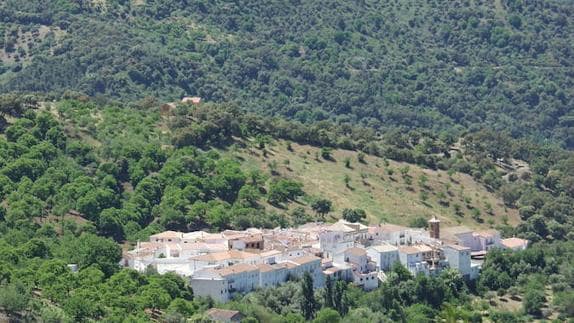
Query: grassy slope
point(385, 198)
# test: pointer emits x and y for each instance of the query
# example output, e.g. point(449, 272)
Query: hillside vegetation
point(440, 65)
point(312, 110)
point(78, 180)
point(389, 191)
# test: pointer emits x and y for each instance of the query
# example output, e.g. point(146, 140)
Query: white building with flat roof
point(310, 264)
point(272, 275)
point(413, 259)
point(222, 284)
point(458, 257)
point(384, 255)
point(479, 241)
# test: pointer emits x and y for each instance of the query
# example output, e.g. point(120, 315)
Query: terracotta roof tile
point(236, 269)
point(305, 259)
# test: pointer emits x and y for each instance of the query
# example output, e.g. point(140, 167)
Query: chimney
point(434, 228)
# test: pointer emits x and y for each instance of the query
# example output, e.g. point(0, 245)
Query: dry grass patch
point(378, 186)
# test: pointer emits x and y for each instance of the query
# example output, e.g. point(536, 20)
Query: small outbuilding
point(221, 315)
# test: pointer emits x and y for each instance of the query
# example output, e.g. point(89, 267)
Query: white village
point(221, 265)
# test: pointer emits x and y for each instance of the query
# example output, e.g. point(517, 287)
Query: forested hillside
point(368, 110)
point(80, 181)
point(440, 65)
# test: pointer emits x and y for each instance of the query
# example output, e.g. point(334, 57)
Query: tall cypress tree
point(328, 296)
point(308, 302)
point(340, 300)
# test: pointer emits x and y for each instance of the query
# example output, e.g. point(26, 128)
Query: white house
point(310, 264)
point(458, 258)
point(208, 283)
point(340, 271)
point(393, 234)
point(384, 255)
point(480, 241)
point(341, 235)
point(272, 275)
point(356, 256)
point(366, 280)
point(222, 284)
point(413, 259)
point(458, 235)
point(363, 270)
point(486, 240)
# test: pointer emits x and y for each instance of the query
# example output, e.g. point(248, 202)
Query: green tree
point(423, 180)
point(348, 162)
point(420, 313)
point(347, 181)
point(418, 222)
point(340, 299)
point(361, 157)
point(322, 206)
point(36, 248)
point(248, 196)
point(81, 306)
point(401, 272)
point(328, 293)
point(299, 216)
point(424, 196)
point(308, 304)
point(327, 315)
point(272, 165)
point(326, 153)
point(405, 170)
point(110, 223)
point(154, 297)
point(534, 298)
point(354, 215)
point(14, 297)
point(284, 190)
point(90, 249)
